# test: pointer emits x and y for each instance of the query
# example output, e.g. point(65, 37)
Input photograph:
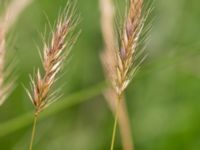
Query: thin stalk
point(125, 127)
point(33, 131)
point(74, 99)
point(115, 123)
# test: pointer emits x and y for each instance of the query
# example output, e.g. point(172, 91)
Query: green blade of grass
point(69, 101)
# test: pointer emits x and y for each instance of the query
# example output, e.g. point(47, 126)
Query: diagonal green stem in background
point(69, 101)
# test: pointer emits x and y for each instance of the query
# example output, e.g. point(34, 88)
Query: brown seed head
point(2, 53)
point(5, 88)
point(53, 57)
point(7, 19)
point(129, 40)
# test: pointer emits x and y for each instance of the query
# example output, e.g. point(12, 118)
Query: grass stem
point(33, 131)
point(115, 123)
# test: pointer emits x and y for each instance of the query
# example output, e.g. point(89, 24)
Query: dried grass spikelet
point(126, 65)
point(126, 54)
point(108, 60)
point(54, 55)
point(3, 90)
point(6, 80)
point(7, 19)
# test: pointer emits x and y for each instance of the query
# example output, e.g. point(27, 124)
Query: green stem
point(33, 131)
point(115, 123)
point(74, 99)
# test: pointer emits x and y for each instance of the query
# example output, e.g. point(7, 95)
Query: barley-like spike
point(7, 19)
point(127, 54)
point(54, 53)
point(119, 61)
point(132, 28)
point(5, 88)
point(53, 56)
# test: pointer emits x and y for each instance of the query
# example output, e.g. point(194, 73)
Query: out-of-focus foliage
point(163, 99)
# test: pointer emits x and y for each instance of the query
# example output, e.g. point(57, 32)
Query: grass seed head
point(54, 54)
point(133, 25)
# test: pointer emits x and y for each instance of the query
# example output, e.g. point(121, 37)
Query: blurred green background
point(163, 100)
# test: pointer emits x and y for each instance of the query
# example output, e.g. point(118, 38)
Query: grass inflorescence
point(54, 55)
